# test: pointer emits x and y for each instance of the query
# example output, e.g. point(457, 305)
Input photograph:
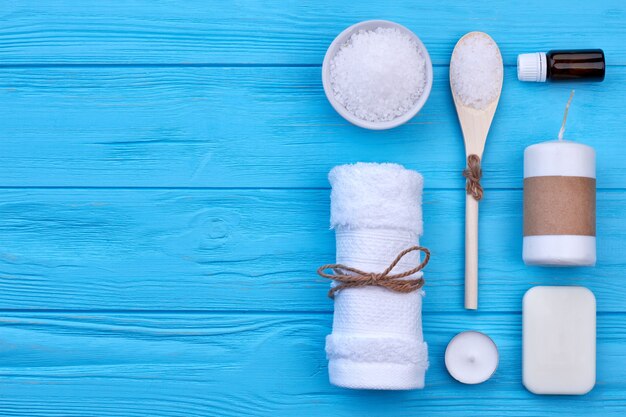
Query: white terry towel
point(377, 341)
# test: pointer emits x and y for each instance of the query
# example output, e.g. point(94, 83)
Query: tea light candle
point(559, 203)
point(471, 357)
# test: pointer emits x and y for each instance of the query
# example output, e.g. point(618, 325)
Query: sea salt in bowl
point(369, 111)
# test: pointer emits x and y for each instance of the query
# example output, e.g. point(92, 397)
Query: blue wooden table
point(164, 205)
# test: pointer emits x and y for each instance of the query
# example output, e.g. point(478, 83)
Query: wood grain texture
point(278, 32)
point(256, 250)
point(268, 127)
point(164, 204)
point(261, 365)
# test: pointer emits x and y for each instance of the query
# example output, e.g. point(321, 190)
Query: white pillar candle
point(471, 357)
point(559, 204)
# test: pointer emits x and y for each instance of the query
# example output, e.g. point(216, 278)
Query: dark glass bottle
point(562, 65)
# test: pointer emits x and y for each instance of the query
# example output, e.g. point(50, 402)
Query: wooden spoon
point(475, 125)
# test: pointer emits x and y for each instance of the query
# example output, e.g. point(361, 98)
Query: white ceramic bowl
point(334, 47)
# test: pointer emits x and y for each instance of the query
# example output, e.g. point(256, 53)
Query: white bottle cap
point(532, 67)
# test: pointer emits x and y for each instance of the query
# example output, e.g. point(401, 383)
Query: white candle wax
point(559, 158)
point(471, 357)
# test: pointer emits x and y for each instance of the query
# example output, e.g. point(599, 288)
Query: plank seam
point(194, 65)
point(253, 312)
point(175, 188)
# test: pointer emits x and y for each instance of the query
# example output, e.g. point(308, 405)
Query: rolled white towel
point(376, 341)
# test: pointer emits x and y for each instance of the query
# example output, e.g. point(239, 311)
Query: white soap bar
point(559, 340)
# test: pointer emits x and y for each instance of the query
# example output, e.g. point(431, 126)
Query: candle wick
point(562, 131)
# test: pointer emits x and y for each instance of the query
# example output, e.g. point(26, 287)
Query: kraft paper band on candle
point(559, 205)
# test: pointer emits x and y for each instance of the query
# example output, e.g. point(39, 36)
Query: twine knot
point(355, 278)
point(473, 173)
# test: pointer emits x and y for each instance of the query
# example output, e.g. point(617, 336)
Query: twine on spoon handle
point(473, 173)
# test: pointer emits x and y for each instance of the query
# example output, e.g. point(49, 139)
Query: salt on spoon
point(476, 73)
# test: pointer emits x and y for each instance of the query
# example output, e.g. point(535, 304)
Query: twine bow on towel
point(473, 173)
point(354, 278)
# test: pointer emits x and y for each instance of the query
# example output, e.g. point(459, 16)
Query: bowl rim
point(332, 50)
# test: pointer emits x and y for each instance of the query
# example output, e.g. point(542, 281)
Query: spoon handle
point(471, 253)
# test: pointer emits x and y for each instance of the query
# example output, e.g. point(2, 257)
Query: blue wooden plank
point(268, 127)
point(261, 364)
point(278, 32)
point(161, 122)
point(256, 250)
